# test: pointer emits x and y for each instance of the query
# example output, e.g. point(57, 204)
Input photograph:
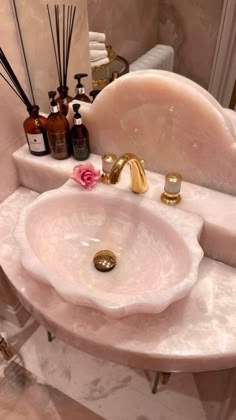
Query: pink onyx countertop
point(218, 209)
point(197, 333)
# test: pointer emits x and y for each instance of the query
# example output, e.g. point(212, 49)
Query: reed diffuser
point(35, 125)
point(61, 33)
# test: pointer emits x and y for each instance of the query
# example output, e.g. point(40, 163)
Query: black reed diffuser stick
point(61, 33)
point(15, 84)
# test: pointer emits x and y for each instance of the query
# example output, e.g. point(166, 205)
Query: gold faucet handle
point(108, 161)
point(171, 194)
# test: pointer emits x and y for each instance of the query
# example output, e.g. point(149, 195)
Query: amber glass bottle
point(63, 99)
point(80, 90)
point(79, 136)
point(58, 131)
point(35, 127)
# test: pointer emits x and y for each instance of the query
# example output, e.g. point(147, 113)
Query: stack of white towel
point(97, 47)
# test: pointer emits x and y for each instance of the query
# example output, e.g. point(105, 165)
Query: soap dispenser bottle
point(58, 130)
point(94, 93)
point(80, 90)
point(79, 136)
point(35, 127)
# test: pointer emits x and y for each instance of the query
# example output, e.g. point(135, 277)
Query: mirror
point(133, 27)
point(38, 46)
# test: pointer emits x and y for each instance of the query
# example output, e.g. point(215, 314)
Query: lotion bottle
point(80, 90)
point(58, 131)
point(79, 136)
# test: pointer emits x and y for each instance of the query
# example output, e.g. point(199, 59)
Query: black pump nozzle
point(51, 96)
point(78, 77)
point(76, 108)
point(94, 93)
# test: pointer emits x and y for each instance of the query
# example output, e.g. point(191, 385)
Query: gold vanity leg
point(4, 349)
point(50, 336)
point(156, 383)
point(161, 377)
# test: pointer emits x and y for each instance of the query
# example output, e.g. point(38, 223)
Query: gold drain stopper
point(104, 260)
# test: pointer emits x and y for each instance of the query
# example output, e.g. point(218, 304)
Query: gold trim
point(170, 199)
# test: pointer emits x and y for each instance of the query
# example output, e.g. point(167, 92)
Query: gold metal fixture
point(106, 73)
point(171, 195)
point(114, 75)
point(4, 349)
point(160, 377)
point(104, 260)
point(107, 163)
point(138, 176)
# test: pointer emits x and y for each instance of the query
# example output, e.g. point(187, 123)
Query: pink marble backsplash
point(191, 27)
point(130, 25)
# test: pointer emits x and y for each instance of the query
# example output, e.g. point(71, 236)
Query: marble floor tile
point(24, 397)
point(56, 371)
point(105, 387)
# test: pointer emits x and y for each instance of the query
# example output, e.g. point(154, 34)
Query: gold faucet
point(138, 176)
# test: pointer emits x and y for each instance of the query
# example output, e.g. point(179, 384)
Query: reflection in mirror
point(37, 40)
point(191, 28)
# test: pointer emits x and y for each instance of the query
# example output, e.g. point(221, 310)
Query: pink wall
point(191, 27)
point(12, 111)
point(130, 25)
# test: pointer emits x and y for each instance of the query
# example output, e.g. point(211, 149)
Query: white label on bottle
point(36, 142)
point(54, 108)
point(77, 121)
point(80, 90)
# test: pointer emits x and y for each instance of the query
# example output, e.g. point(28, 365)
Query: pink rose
point(86, 175)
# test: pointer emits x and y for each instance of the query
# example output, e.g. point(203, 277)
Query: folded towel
point(97, 36)
point(97, 55)
point(100, 62)
point(97, 45)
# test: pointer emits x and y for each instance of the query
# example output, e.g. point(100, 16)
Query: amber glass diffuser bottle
point(61, 33)
point(58, 131)
point(35, 127)
point(35, 124)
point(63, 99)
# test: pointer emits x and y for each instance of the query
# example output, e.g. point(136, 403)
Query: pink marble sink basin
point(157, 248)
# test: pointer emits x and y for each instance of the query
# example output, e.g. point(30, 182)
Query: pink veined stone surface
point(196, 333)
point(218, 210)
point(231, 114)
point(156, 247)
point(185, 128)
